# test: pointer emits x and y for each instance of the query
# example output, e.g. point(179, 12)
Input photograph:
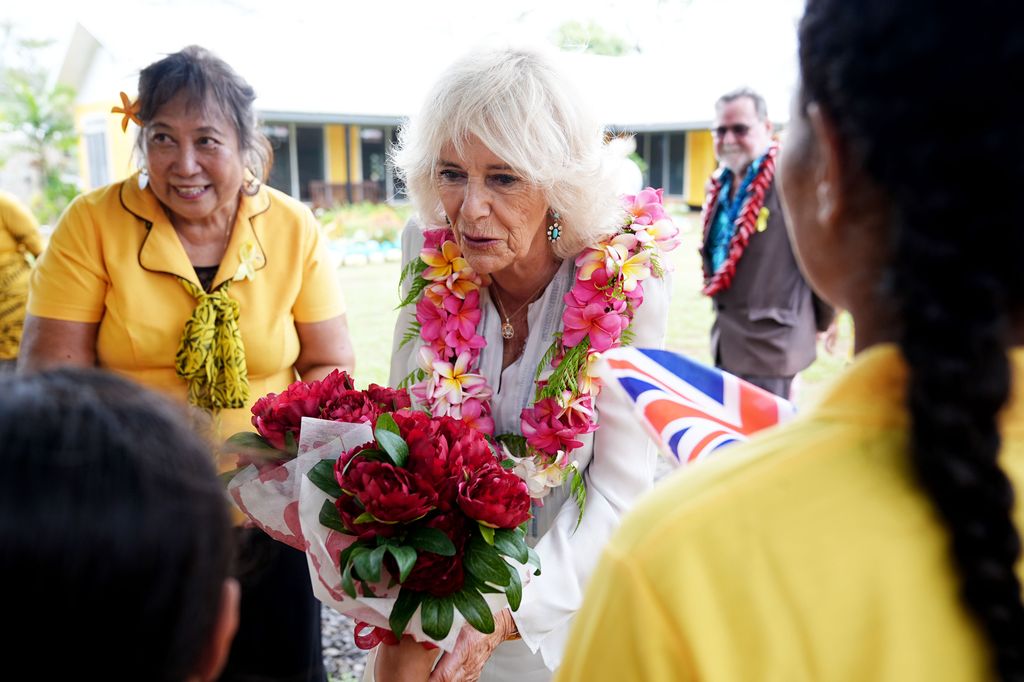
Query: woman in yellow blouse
point(19, 239)
point(876, 537)
point(195, 279)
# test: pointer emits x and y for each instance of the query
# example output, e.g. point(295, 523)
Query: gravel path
point(344, 660)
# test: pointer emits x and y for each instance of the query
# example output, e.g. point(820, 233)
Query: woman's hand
point(406, 661)
point(472, 649)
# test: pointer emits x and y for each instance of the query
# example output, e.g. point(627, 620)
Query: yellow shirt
point(19, 231)
point(809, 553)
point(19, 237)
point(115, 259)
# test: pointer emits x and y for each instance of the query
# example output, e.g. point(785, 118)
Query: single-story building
point(332, 114)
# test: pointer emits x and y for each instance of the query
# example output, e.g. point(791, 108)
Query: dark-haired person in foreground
point(876, 537)
point(115, 550)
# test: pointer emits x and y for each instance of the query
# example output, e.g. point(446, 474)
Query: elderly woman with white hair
point(528, 266)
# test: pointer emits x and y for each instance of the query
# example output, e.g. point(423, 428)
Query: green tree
point(590, 37)
point(39, 117)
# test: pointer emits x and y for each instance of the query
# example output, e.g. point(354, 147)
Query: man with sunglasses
point(766, 316)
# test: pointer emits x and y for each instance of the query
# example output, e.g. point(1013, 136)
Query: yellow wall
point(336, 148)
point(119, 144)
point(355, 158)
point(700, 164)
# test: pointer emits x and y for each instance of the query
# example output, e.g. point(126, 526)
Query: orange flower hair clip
point(130, 110)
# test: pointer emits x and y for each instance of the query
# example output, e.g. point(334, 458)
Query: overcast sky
point(734, 30)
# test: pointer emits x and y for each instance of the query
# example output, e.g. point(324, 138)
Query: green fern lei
point(413, 269)
point(414, 377)
point(411, 334)
point(549, 355)
point(566, 375)
point(657, 267)
point(579, 491)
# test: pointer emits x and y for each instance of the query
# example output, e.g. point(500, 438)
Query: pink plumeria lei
point(598, 311)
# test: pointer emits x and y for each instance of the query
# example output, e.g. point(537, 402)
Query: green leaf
point(322, 476)
point(346, 581)
point(486, 532)
point(227, 476)
point(413, 267)
point(507, 464)
point(411, 334)
point(386, 422)
point(365, 517)
point(346, 554)
point(473, 607)
point(565, 376)
point(628, 336)
point(514, 591)
point(290, 444)
point(549, 355)
point(250, 440)
point(430, 540)
point(368, 564)
point(371, 454)
point(406, 558)
point(436, 616)
point(330, 519)
point(579, 492)
point(406, 604)
point(391, 442)
point(415, 376)
point(484, 562)
point(533, 559)
point(417, 287)
point(515, 444)
point(512, 543)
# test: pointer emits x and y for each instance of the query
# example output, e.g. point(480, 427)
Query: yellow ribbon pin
point(251, 259)
point(762, 219)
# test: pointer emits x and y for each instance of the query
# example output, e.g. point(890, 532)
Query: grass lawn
point(372, 294)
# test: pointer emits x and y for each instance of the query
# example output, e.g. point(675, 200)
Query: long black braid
point(926, 98)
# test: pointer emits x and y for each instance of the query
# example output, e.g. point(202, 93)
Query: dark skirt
point(278, 637)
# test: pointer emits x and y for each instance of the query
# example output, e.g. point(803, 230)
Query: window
point(676, 163)
point(665, 154)
point(309, 144)
point(280, 142)
point(95, 153)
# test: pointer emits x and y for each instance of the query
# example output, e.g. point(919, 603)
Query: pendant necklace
point(507, 330)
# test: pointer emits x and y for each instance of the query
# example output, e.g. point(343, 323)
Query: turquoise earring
point(555, 228)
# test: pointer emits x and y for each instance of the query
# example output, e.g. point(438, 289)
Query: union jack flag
point(689, 409)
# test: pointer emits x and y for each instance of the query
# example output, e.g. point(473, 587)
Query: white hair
point(522, 108)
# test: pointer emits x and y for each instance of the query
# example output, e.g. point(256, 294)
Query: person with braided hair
point(766, 317)
point(878, 535)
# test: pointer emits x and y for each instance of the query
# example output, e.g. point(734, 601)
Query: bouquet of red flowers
point(410, 523)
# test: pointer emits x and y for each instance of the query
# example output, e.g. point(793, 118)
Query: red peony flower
point(495, 497)
point(276, 415)
point(436, 574)
point(389, 399)
point(352, 406)
point(390, 494)
point(349, 510)
point(334, 383)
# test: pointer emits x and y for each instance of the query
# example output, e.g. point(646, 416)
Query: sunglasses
point(737, 129)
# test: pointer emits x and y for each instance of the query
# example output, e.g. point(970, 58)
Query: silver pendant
point(507, 331)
